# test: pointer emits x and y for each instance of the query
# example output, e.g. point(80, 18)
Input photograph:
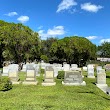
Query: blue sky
point(60, 18)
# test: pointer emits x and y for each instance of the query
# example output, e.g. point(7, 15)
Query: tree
point(73, 49)
point(104, 50)
point(19, 42)
point(46, 45)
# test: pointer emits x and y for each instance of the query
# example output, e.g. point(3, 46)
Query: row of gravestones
point(72, 76)
point(56, 67)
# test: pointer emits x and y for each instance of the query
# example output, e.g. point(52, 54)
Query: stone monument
point(90, 70)
point(49, 77)
point(30, 75)
point(73, 78)
point(13, 75)
point(101, 80)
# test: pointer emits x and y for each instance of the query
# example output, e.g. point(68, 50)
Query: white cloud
point(23, 19)
point(56, 31)
point(91, 37)
point(105, 40)
point(11, 14)
point(40, 27)
point(65, 5)
point(91, 7)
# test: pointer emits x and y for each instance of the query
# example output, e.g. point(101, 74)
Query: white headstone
point(49, 76)
point(66, 67)
point(5, 71)
point(90, 69)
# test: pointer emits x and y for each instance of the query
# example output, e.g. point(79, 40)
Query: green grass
point(58, 97)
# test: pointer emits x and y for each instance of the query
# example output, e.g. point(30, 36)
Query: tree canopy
point(104, 50)
point(73, 50)
point(19, 43)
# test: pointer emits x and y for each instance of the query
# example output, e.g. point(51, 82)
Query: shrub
point(42, 71)
point(5, 84)
point(60, 75)
point(45, 58)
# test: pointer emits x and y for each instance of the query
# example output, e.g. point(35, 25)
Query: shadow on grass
point(93, 83)
point(6, 90)
point(91, 92)
point(87, 92)
point(46, 107)
point(107, 76)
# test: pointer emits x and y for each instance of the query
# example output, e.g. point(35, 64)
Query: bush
point(42, 71)
point(60, 75)
point(44, 58)
point(5, 84)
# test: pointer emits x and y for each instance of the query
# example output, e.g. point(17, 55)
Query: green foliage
point(42, 71)
point(60, 75)
point(5, 84)
point(44, 58)
point(104, 50)
point(74, 50)
point(18, 42)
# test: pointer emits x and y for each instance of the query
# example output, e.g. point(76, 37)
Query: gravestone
point(24, 68)
point(90, 71)
point(13, 75)
point(49, 77)
point(98, 69)
point(101, 80)
point(14, 67)
point(30, 75)
point(66, 67)
point(37, 69)
point(107, 67)
point(43, 65)
point(101, 77)
point(73, 78)
point(74, 65)
point(55, 71)
point(84, 68)
point(5, 71)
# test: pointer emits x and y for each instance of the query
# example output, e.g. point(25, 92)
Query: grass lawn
point(58, 97)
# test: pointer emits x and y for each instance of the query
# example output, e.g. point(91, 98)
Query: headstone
point(14, 67)
point(37, 69)
point(90, 70)
point(5, 71)
point(55, 71)
point(30, 67)
point(43, 65)
point(74, 65)
point(107, 67)
point(101, 77)
point(84, 68)
point(73, 78)
point(13, 75)
point(98, 69)
point(30, 75)
point(66, 67)
point(101, 80)
point(49, 77)
point(24, 68)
